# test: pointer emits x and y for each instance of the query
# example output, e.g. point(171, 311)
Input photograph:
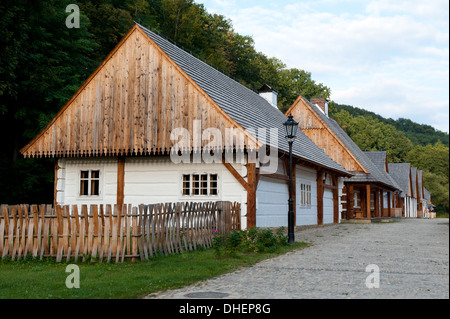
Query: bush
point(254, 240)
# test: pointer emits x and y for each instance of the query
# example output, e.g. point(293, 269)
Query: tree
point(372, 135)
point(44, 63)
point(434, 158)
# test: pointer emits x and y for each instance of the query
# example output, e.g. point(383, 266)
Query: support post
point(120, 180)
point(320, 197)
point(368, 213)
point(389, 204)
point(251, 195)
point(350, 202)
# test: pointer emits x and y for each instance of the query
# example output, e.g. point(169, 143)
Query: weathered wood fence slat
point(110, 232)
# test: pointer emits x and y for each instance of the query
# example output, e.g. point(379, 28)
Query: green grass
point(35, 279)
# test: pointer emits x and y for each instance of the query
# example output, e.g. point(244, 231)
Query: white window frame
point(305, 195)
point(89, 179)
point(199, 196)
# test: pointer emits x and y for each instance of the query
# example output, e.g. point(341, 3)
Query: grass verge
point(35, 279)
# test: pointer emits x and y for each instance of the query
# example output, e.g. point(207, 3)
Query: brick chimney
point(321, 103)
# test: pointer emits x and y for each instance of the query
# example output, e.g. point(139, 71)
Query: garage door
point(328, 210)
point(272, 203)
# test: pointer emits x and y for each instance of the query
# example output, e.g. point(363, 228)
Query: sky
point(390, 57)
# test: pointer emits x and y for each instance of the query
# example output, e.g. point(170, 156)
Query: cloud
point(370, 53)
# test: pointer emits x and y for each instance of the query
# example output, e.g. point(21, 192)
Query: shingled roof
point(379, 158)
point(401, 172)
point(247, 108)
point(374, 174)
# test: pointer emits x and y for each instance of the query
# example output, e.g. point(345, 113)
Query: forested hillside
point(419, 134)
point(403, 141)
point(43, 63)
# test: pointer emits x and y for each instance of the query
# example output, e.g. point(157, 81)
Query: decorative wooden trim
point(120, 180)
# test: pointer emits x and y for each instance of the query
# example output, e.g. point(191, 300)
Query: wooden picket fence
point(112, 233)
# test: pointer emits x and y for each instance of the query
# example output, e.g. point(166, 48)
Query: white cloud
point(370, 53)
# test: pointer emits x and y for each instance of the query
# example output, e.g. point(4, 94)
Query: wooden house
point(155, 124)
point(429, 207)
point(362, 191)
point(391, 199)
point(421, 201)
point(402, 174)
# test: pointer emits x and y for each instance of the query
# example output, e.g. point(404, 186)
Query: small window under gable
point(90, 183)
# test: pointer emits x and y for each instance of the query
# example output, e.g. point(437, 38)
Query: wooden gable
point(318, 131)
point(130, 105)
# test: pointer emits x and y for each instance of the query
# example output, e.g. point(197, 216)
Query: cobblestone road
point(412, 256)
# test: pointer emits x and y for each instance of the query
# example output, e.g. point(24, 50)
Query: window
point(90, 183)
point(305, 195)
point(200, 185)
point(357, 199)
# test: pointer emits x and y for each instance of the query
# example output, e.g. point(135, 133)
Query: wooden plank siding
point(317, 131)
point(129, 106)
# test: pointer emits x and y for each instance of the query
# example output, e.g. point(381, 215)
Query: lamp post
point(291, 131)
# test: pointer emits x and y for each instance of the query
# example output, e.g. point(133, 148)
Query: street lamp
point(291, 131)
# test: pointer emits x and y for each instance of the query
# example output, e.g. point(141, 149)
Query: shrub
point(252, 240)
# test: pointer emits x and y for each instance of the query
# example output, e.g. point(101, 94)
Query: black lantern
point(291, 127)
point(291, 132)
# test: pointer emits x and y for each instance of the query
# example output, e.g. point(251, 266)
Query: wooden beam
point(377, 203)
point(389, 204)
point(368, 213)
point(236, 175)
point(335, 199)
point(350, 201)
point(278, 176)
point(320, 197)
point(381, 203)
point(120, 180)
point(251, 195)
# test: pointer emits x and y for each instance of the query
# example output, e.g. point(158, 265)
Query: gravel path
point(412, 256)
